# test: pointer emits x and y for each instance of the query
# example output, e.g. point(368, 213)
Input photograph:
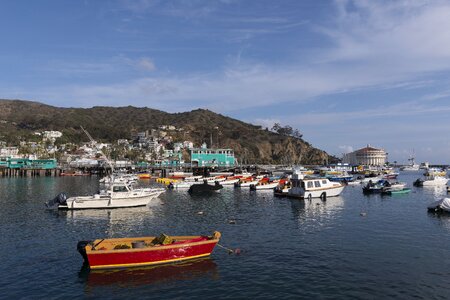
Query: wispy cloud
point(376, 44)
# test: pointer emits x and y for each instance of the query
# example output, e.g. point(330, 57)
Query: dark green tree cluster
point(287, 131)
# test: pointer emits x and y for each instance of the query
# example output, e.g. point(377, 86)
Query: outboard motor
point(81, 247)
point(418, 182)
point(57, 201)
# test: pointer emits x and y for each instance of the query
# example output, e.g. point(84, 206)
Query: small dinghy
point(145, 251)
point(440, 206)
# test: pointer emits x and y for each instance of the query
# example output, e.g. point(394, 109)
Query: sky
point(345, 73)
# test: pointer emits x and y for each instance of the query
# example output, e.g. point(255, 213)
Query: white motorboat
point(431, 181)
point(246, 183)
point(118, 195)
point(309, 188)
point(439, 206)
point(214, 179)
point(194, 179)
point(410, 168)
point(264, 186)
point(182, 184)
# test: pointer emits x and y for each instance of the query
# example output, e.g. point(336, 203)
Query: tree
point(297, 134)
point(276, 127)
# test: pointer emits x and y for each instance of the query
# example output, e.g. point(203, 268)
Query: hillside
point(252, 144)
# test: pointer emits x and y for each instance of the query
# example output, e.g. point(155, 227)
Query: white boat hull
point(328, 192)
point(319, 193)
point(133, 199)
point(248, 183)
point(268, 186)
point(184, 185)
point(435, 182)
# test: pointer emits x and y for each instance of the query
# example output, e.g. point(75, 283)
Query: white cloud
point(346, 149)
point(378, 44)
point(146, 63)
point(265, 123)
point(401, 36)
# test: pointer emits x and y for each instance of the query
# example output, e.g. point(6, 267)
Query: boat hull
point(267, 186)
point(247, 183)
point(125, 258)
point(98, 202)
point(329, 192)
point(319, 193)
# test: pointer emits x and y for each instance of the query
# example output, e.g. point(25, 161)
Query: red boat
point(145, 251)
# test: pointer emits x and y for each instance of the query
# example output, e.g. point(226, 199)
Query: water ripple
point(290, 248)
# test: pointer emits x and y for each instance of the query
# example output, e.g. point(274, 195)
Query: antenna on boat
point(94, 144)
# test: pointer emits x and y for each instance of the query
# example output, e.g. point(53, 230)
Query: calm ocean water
point(289, 248)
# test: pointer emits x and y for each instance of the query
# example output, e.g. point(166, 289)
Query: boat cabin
point(118, 188)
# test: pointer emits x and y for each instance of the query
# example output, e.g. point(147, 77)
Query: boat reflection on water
point(111, 215)
point(438, 191)
point(132, 277)
point(115, 222)
point(443, 219)
point(316, 213)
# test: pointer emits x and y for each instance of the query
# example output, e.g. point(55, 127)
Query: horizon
point(345, 73)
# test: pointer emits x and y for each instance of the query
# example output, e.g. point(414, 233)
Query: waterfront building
point(51, 134)
point(204, 157)
point(9, 151)
point(83, 163)
point(27, 163)
point(366, 156)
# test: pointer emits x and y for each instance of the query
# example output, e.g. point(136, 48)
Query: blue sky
point(345, 73)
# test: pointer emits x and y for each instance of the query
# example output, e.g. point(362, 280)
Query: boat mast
point(94, 144)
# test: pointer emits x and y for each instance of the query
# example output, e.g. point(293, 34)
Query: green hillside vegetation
point(252, 144)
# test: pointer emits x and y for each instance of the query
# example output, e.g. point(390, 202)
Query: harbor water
point(350, 247)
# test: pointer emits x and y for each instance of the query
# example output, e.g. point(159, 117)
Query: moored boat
point(144, 175)
point(247, 182)
point(264, 186)
point(308, 188)
point(440, 206)
point(431, 181)
point(205, 187)
point(182, 185)
point(117, 196)
point(144, 251)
